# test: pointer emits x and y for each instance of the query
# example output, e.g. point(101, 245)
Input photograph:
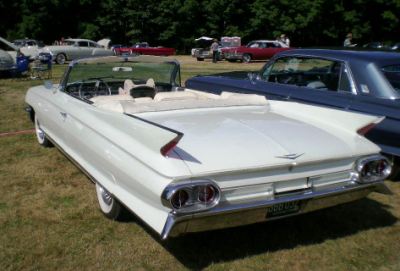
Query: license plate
point(283, 208)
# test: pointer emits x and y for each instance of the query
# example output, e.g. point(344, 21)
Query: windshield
point(113, 75)
point(162, 72)
point(392, 74)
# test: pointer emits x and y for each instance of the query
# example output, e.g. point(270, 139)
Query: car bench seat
point(165, 101)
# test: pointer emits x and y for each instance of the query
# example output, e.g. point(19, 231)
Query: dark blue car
point(361, 81)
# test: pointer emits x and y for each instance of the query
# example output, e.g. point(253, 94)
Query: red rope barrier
point(22, 132)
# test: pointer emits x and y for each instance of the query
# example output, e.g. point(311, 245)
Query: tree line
point(176, 23)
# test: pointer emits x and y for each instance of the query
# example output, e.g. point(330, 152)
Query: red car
point(255, 50)
point(143, 48)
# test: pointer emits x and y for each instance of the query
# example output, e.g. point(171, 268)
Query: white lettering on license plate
point(283, 208)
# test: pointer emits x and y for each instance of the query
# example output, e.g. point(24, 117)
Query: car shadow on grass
point(199, 250)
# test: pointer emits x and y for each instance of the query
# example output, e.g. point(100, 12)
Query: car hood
point(104, 42)
point(6, 59)
point(9, 44)
point(230, 140)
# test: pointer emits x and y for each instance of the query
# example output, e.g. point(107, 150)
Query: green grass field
point(49, 219)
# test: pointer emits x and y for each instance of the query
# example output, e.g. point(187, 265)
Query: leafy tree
point(177, 23)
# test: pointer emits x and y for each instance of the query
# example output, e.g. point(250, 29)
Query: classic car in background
point(116, 46)
point(8, 54)
point(361, 81)
point(385, 46)
point(396, 46)
point(75, 49)
point(255, 50)
point(28, 42)
point(377, 45)
point(29, 47)
point(143, 48)
point(12, 61)
point(188, 161)
point(204, 52)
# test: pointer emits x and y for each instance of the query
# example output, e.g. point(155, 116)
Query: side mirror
point(48, 84)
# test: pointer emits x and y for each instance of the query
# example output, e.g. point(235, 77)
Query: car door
point(50, 110)
point(94, 49)
point(312, 80)
point(271, 48)
point(254, 49)
point(83, 50)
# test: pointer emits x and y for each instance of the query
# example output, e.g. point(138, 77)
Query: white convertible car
point(188, 161)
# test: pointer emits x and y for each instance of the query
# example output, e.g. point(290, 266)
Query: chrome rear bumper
point(227, 215)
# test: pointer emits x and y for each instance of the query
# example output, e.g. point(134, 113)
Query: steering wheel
point(96, 91)
point(288, 80)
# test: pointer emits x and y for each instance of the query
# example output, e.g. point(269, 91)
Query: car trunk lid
point(247, 138)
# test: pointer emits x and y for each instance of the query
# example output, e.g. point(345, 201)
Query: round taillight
point(381, 166)
point(365, 171)
point(207, 194)
point(179, 199)
point(372, 169)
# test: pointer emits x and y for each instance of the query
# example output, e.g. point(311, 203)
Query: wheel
point(41, 135)
point(60, 58)
point(200, 59)
point(109, 206)
point(101, 91)
point(246, 58)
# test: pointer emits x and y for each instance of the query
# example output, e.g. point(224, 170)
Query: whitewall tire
point(246, 58)
point(109, 206)
point(60, 58)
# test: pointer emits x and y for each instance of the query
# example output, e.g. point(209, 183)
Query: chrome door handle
point(63, 115)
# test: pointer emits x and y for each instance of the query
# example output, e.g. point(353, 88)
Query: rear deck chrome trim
point(227, 215)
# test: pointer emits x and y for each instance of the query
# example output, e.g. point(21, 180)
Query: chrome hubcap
point(60, 59)
point(107, 198)
point(39, 131)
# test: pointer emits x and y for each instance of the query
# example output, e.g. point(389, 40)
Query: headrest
point(129, 85)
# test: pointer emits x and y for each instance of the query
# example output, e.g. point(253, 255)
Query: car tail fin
point(170, 145)
point(325, 117)
point(164, 138)
point(364, 130)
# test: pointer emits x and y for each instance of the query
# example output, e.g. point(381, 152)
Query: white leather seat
point(174, 96)
point(129, 85)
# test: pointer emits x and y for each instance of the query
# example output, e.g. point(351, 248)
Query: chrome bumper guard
point(226, 215)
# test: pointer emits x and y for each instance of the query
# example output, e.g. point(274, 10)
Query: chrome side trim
point(249, 213)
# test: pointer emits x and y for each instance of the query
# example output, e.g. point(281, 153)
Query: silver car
point(73, 49)
point(8, 54)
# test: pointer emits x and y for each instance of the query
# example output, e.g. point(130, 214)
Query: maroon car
point(143, 48)
point(255, 50)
